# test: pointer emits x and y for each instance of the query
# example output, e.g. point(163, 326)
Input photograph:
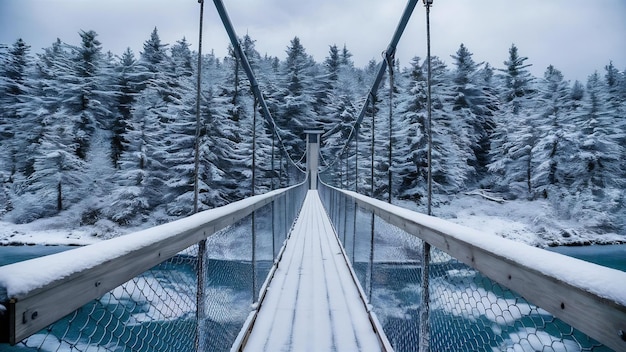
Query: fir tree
point(555, 135)
point(515, 134)
point(128, 83)
point(410, 157)
point(15, 122)
point(451, 146)
point(596, 184)
point(472, 107)
point(180, 136)
point(296, 103)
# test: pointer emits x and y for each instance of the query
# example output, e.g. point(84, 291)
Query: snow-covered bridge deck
point(313, 302)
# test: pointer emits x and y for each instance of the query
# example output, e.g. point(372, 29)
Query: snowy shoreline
point(531, 222)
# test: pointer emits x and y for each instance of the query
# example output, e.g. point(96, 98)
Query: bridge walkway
point(313, 303)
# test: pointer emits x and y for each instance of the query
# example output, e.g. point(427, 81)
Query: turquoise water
point(613, 256)
point(14, 254)
point(394, 292)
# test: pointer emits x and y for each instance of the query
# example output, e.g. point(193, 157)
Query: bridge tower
point(312, 155)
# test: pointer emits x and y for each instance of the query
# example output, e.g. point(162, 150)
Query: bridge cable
point(391, 49)
point(254, 85)
point(424, 324)
point(390, 61)
point(201, 266)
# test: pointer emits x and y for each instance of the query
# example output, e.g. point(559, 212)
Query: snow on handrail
point(589, 297)
point(36, 293)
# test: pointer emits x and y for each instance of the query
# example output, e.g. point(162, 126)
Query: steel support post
point(354, 233)
point(201, 269)
point(371, 261)
point(424, 328)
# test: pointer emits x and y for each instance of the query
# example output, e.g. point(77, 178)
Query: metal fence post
point(424, 325)
point(200, 296)
point(273, 230)
point(371, 264)
point(345, 218)
point(425, 304)
point(254, 281)
point(354, 233)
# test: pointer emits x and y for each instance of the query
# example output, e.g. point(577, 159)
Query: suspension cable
point(196, 156)
point(254, 85)
point(391, 49)
point(390, 61)
point(323, 159)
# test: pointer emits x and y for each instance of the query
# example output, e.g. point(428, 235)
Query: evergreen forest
point(115, 134)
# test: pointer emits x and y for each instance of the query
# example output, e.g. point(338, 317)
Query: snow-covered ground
point(530, 222)
point(59, 230)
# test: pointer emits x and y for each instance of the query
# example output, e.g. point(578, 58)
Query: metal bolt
point(97, 284)
point(34, 315)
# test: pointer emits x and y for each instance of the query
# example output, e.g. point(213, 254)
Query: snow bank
point(535, 222)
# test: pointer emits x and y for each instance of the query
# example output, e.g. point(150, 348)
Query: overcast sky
point(576, 36)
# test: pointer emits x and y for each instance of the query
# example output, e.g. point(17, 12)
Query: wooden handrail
point(38, 292)
point(587, 296)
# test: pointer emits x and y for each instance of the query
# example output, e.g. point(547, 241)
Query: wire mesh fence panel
point(162, 309)
point(154, 311)
point(468, 311)
point(230, 271)
point(265, 243)
point(228, 281)
point(396, 278)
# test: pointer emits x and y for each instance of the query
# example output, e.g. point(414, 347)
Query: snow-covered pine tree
point(90, 97)
point(386, 129)
point(218, 136)
point(128, 83)
point(69, 112)
point(515, 134)
point(616, 88)
point(451, 147)
point(296, 112)
point(620, 118)
point(324, 95)
point(491, 108)
point(142, 171)
point(268, 75)
point(16, 124)
point(555, 135)
point(335, 138)
point(181, 131)
point(338, 114)
point(242, 114)
point(596, 184)
point(410, 161)
point(133, 199)
point(263, 130)
point(58, 169)
point(471, 107)
point(85, 92)
point(44, 100)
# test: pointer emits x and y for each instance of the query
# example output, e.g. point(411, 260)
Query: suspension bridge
point(311, 267)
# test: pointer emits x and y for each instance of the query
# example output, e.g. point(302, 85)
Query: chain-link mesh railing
point(470, 310)
point(467, 310)
point(157, 310)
